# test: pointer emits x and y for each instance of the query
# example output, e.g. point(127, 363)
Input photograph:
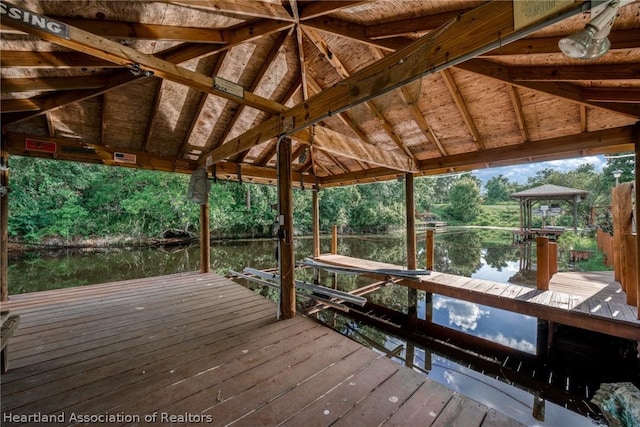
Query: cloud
point(461, 313)
point(522, 345)
point(520, 173)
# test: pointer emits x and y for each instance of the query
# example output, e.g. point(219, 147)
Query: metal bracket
point(137, 70)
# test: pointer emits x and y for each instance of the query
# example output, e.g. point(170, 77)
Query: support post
point(553, 259)
point(411, 247)
point(631, 271)
point(316, 223)
point(285, 233)
point(542, 274)
point(4, 222)
point(205, 240)
point(334, 240)
point(636, 140)
point(430, 245)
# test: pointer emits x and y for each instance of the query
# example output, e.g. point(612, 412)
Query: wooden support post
point(205, 239)
point(4, 222)
point(542, 274)
point(409, 355)
point(617, 269)
point(412, 263)
point(636, 140)
point(285, 233)
point(553, 259)
point(631, 271)
point(334, 240)
point(316, 223)
point(538, 411)
point(430, 245)
point(542, 338)
point(622, 225)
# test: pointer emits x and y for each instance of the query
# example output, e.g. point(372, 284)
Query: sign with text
point(228, 87)
point(34, 20)
point(527, 12)
point(44, 146)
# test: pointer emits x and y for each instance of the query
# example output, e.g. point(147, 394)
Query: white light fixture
point(592, 41)
point(617, 174)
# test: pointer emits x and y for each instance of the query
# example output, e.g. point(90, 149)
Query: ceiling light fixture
point(592, 41)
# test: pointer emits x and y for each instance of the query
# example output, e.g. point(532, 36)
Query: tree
point(464, 200)
point(498, 189)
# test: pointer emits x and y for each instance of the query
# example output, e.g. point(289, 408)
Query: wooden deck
point(199, 347)
point(585, 300)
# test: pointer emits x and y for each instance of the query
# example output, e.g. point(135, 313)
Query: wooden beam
point(329, 141)
point(481, 29)
point(355, 32)
point(157, 96)
point(184, 146)
point(315, 207)
point(561, 90)
point(569, 73)
point(625, 95)
point(462, 107)
point(18, 105)
point(100, 47)
point(260, 174)
point(256, 9)
point(419, 119)
point(412, 264)
point(321, 8)
point(606, 141)
point(95, 153)
point(636, 141)
point(517, 108)
point(4, 220)
point(24, 59)
point(138, 30)
point(46, 84)
point(411, 26)
point(620, 40)
point(205, 239)
point(286, 257)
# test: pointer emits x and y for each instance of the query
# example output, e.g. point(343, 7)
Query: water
point(474, 253)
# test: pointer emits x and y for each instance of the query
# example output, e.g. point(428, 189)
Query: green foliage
point(498, 190)
point(464, 200)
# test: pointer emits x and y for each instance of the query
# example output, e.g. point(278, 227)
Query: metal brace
point(137, 70)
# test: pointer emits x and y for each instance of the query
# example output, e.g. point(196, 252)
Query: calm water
point(473, 253)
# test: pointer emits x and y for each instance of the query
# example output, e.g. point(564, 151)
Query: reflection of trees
point(459, 253)
point(498, 256)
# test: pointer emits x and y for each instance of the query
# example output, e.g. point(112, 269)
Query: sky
point(520, 173)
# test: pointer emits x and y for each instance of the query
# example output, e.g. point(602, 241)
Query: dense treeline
point(78, 201)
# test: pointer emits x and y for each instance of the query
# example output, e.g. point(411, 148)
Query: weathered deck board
point(202, 345)
point(592, 307)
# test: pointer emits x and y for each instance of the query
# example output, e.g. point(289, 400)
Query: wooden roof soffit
point(329, 141)
point(606, 141)
point(559, 89)
point(100, 47)
point(471, 34)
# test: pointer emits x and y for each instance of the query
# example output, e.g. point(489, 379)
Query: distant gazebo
point(546, 193)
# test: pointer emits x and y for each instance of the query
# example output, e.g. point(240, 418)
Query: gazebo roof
point(550, 191)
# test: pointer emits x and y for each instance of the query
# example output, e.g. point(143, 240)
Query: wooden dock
point(200, 348)
point(578, 300)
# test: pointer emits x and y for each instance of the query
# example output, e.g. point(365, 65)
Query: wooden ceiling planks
point(528, 92)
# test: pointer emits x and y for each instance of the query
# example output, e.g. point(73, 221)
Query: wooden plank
point(482, 27)
point(498, 419)
point(253, 9)
point(337, 401)
point(423, 405)
point(461, 411)
point(385, 399)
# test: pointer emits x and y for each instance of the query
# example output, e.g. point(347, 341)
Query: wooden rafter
point(152, 114)
point(46, 84)
point(355, 32)
point(329, 141)
point(24, 59)
point(273, 53)
point(583, 118)
point(623, 95)
point(256, 9)
point(567, 73)
point(100, 47)
point(411, 26)
point(517, 108)
point(184, 145)
point(420, 120)
point(325, 7)
point(462, 107)
point(341, 69)
point(562, 90)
